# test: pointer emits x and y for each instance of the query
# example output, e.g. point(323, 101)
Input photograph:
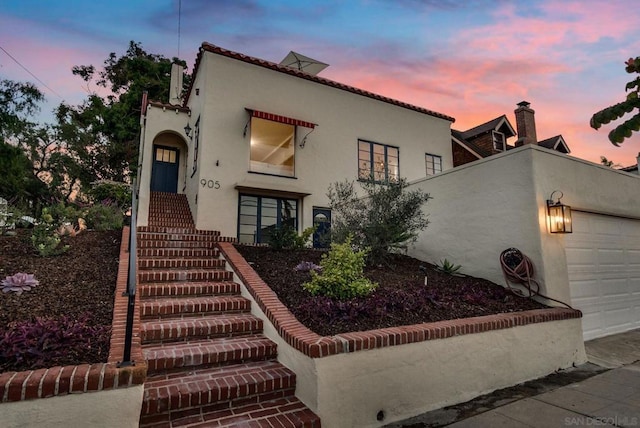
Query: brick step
point(212, 352)
point(184, 307)
point(188, 289)
point(213, 388)
point(176, 244)
point(181, 330)
point(182, 263)
point(178, 253)
point(184, 275)
point(169, 229)
point(150, 236)
point(171, 223)
point(287, 412)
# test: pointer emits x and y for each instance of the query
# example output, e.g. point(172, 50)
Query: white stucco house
point(255, 144)
point(266, 140)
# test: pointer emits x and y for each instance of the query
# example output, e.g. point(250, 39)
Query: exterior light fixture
point(187, 130)
point(559, 215)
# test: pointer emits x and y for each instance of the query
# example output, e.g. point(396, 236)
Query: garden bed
point(402, 297)
point(69, 313)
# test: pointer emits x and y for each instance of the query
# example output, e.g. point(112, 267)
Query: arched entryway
point(169, 154)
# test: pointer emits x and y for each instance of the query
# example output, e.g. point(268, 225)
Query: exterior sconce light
point(559, 215)
point(187, 130)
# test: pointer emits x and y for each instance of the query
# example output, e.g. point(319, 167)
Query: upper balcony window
point(377, 161)
point(272, 147)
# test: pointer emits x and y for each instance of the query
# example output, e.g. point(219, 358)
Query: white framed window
point(272, 147)
point(377, 161)
point(433, 164)
point(498, 141)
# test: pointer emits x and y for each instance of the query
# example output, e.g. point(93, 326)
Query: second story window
point(498, 141)
point(272, 147)
point(377, 161)
point(433, 163)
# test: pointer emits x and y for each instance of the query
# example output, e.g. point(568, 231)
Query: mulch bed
point(402, 297)
point(78, 285)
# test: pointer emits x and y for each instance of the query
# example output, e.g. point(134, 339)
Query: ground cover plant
point(66, 318)
point(401, 298)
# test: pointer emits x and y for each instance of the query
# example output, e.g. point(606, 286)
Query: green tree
point(617, 111)
point(17, 182)
point(108, 126)
point(18, 102)
point(385, 219)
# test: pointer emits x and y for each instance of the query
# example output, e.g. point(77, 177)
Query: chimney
point(526, 124)
point(175, 90)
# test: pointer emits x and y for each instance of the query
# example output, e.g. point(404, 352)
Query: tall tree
point(617, 111)
point(18, 102)
point(109, 125)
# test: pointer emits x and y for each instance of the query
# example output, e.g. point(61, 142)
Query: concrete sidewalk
point(595, 396)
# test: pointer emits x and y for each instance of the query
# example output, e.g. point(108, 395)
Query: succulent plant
point(19, 283)
point(307, 266)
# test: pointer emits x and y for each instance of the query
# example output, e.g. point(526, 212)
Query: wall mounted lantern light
point(559, 215)
point(187, 130)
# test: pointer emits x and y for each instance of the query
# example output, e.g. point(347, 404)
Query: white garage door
point(603, 259)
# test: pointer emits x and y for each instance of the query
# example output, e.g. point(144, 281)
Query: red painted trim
point(281, 119)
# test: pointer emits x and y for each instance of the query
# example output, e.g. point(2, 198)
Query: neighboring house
point(633, 168)
point(256, 144)
point(491, 137)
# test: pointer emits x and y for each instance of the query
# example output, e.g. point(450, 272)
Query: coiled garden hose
point(518, 269)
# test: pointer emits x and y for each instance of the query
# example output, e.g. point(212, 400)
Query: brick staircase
point(208, 362)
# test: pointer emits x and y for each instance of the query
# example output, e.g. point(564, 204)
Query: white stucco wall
point(226, 87)
point(110, 408)
point(480, 209)
point(408, 380)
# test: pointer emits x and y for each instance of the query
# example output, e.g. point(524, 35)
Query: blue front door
point(164, 174)
point(322, 224)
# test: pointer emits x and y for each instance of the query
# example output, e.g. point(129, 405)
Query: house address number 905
point(211, 184)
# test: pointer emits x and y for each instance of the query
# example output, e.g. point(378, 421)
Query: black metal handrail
point(131, 279)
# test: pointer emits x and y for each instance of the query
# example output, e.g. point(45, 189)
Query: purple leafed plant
point(18, 283)
point(307, 266)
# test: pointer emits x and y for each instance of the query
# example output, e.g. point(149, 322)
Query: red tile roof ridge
point(208, 47)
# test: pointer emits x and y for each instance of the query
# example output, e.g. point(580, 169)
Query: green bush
point(342, 274)
point(112, 192)
point(44, 237)
point(62, 213)
point(385, 219)
point(286, 237)
point(104, 217)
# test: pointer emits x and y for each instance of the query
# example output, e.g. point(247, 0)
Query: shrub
point(48, 342)
point(44, 237)
point(342, 274)
point(64, 214)
point(105, 217)
point(385, 219)
point(286, 237)
point(112, 192)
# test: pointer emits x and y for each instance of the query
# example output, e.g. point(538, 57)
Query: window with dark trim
point(498, 140)
point(433, 164)
point(377, 161)
point(259, 216)
point(272, 147)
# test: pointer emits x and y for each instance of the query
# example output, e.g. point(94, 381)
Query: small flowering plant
point(19, 283)
point(307, 267)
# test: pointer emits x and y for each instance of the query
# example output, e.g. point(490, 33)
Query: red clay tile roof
point(169, 106)
point(208, 47)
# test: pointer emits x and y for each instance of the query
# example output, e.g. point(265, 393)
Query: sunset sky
point(473, 60)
